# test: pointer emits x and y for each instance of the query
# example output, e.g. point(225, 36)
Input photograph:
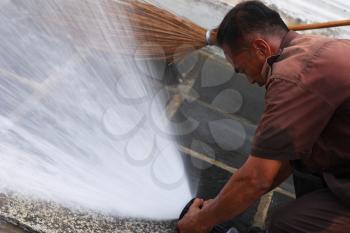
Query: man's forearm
point(285, 172)
point(255, 178)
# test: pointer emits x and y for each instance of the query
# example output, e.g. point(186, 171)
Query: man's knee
point(280, 221)
point(319, 211)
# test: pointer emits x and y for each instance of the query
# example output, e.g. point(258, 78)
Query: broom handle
point(329, 24)
point(296, 27)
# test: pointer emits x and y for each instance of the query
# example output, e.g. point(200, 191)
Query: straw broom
point(177, 36)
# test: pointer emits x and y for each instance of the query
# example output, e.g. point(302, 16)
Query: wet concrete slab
point(45, 217)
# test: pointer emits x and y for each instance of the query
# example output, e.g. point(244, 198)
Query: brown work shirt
point(307, 108)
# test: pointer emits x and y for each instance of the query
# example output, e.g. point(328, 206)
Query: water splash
point(76, 126)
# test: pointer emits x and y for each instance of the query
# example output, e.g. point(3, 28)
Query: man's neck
point(276, 43)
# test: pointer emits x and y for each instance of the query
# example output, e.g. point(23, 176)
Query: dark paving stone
point(203, 134)
point(206, 132)
point(288, 185)
point(210, 84)
point(278, 200)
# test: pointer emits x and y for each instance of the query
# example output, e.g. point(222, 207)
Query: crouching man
point(304, 130)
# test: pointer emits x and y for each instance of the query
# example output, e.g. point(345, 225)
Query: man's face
point(247, 60)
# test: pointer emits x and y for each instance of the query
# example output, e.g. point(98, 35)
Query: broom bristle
point(161, 34)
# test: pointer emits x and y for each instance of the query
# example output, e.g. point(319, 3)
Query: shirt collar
point(267, 68)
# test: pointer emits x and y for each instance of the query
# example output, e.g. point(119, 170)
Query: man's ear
point(262, 48)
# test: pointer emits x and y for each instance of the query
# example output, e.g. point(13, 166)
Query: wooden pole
point(337, 23)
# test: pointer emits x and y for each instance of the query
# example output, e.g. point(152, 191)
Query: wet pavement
point(39, 216)
point(9, 228)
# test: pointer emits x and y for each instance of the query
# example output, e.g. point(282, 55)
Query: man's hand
point(190, 222)
point(208, 202)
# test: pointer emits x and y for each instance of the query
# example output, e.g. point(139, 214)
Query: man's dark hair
point(247, 17)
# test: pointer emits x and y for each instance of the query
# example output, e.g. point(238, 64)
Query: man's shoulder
point(316, 64)
point(295, 57)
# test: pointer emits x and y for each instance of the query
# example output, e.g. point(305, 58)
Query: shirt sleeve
point(292, 122)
